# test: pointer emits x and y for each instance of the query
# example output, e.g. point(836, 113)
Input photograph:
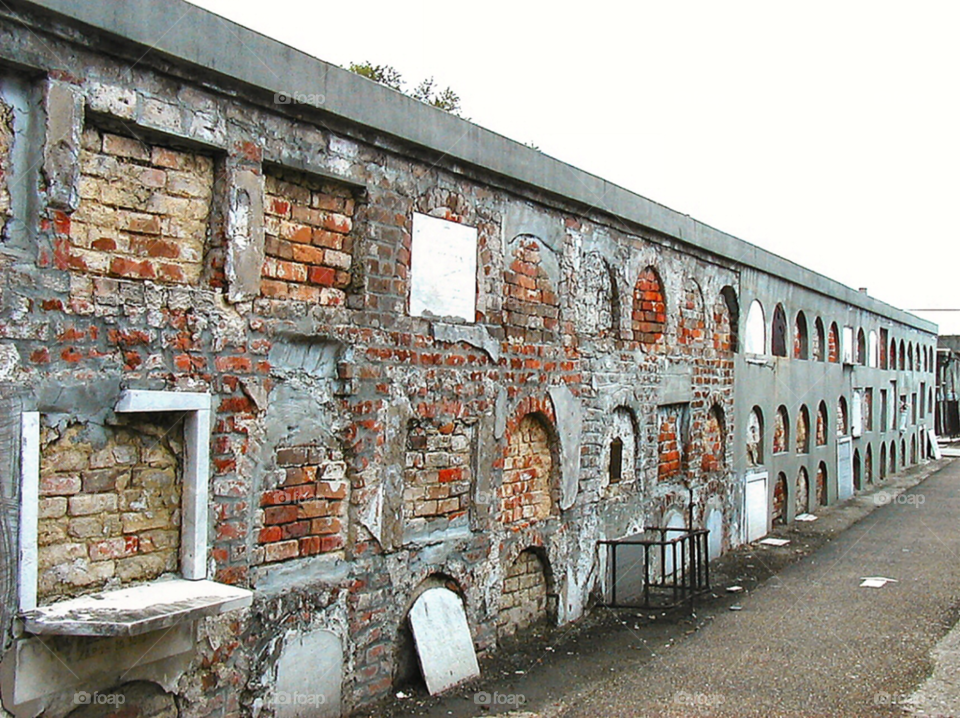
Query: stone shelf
point(136, 610)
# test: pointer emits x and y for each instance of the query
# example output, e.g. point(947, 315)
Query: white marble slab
point(443, 640)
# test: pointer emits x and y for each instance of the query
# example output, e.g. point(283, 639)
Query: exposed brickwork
point(817, 341)
point(306, 514)
point(526, 494)
point(308, 226)
point(822, 425)
point(670, 448)
point(803, 431)
point(714, 441)
point(801, 339)
point(109, 512)
point(144, 211)
point(6, 145)
point(437, 477)
point(833, 345)
point(723, 327)
point(867, 409)
point(649, 308)
point(523, 600)
point(779, 513)
point(781, 424)
point(531, 306)
point(821, 484)
point(842, 425)
point(691, 326)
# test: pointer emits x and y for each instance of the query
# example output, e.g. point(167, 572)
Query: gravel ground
point(807, 640)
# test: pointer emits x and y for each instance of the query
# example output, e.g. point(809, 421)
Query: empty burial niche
point(778, 332)
point(615, 470)
point(802, 496)
point(620, 451)
point(756, 331)
point(822, 484)
point(529, 474)
point(755, 438)
point(525, 597)
point(109, 507)
point(779, 514)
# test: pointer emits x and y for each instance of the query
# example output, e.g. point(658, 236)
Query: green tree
point(426, 91)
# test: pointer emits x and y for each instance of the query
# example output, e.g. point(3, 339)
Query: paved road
point(811, 641)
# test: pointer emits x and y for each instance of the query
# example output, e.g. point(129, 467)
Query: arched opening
point(861, 357)
point(893, 354)
point(598, 308)
point(714, 440)
point(893, 457)
point(803, 431)
point(868, 464)
point(779, 514)
point(821, 484)
point(529, 491)
point(818, 340)
point(649, 308)
point(756, 330)
point(781, 429)
point(910, 357)
point(822, 424)
point(833, 344)
point(619, 455)
point(903, 356)
point(406, 666)
point(778, 332)
point(913, 449)
point(525, 593)
point(802, 496)
point(755, 437)
point(883, 461)
point(801, 340)
point(732, 305)
point(842, 426)
point(857, 485)
point(691, 324)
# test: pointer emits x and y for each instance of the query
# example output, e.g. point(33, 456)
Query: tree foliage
point(427, 91)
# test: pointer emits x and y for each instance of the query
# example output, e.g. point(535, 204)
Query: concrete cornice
point(189, 35)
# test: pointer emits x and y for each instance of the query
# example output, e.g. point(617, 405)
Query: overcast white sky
point(826, 132)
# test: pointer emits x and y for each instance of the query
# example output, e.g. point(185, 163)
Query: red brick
point(279, 515)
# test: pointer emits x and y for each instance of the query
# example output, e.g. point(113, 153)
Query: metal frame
point(689, 552)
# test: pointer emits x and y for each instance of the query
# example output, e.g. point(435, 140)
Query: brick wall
point(691, 326)
point(144, 210)
point(438, 475)
point(306, 514)
point(821, 484)
point(531, 307)
point(526, 494)
point(833, 345)
point(669, 444)
point(309, 243)
point(816, 341)
point(713, 441)
point(523, 600)
point(779, 513)
point(822, 425)
point(109, 512)
point(723, 329)
point(780, 425)
point(842, 425)
point(649, 308)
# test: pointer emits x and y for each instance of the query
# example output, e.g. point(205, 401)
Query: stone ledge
point(136, 610)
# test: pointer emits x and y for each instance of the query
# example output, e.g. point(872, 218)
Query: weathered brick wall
point(822, 425)
point(305, 514)
point(109, 509)
point(531, 307)
point(779, 515)
point(144, 210)
point(523, 600)
point(309, 245)
point(669, 444)
point(438, 471)
point(691, 326)
point(833, 344)
point(527, 493)
point(649, 308)
point(714, 441)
